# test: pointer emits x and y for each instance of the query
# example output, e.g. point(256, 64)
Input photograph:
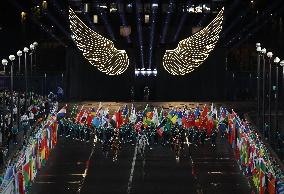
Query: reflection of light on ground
point(56, 175)
point(44, 182)
point(215, 172)
point(215, 184)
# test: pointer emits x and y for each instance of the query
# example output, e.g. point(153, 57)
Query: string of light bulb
point(194, 50)
point(98, 50)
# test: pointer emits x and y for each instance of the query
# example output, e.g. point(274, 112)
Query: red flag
point(119, 119)
point(89, 120)
point(21, 183)
point(160, 131)
point(79, 115)
point(271, 185)
point(54, 134)
point(210, 126)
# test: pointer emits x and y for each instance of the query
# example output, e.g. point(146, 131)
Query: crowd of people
point(26, 114)
point(146, 128)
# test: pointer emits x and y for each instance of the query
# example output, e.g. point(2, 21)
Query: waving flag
point(155, 119)
point(119, 119)
point(62, 113)
point(96, 122)
point(133, 116)
point(138, 126)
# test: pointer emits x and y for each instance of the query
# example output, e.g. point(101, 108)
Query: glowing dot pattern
point(98, 50)
point(194, 50)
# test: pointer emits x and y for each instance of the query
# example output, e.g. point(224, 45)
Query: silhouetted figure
point(146, 93)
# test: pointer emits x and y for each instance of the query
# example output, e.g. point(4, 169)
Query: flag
point(160, 130)
point(132, 115)
point(138, 126)
point(26, 174)
point(89, 119)
point(271, 185)
point(280, 187)
point(21, 183)
point(155, 119)
point(119, 119)
point(62, 113)
point(174, 119)
point(262, 177)
point(96, 122)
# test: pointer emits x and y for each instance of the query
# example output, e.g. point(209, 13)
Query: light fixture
point(26, 50)
point(194, 50)
point(276, 60)
point(282, 65)
point(137, 72)
point(12, 57)
point(35, 44)
point(98, 50)
point(4, 62)
point(155, 72)
point(19, 53)
point(148, 72)
point(269, 54)
point(258, 48)
point(32, 47)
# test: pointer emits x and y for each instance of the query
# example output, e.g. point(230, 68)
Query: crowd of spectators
point(26, 113)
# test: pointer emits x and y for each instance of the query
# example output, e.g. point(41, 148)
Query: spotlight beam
point(103, 15)
point(56, 23)
point(255, 30)
point(39, 24)
point(181, 23)
point(122, 18)
point(153, 18)
point(167, 21)
point(254, 22)
point(139, 31)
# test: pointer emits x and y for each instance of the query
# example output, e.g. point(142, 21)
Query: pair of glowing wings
point(190, 53)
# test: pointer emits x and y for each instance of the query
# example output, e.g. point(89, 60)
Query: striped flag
point(280, 187)
point(138, 126)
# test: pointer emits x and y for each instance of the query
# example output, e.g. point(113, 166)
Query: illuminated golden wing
point(194, 50)
point(98, 50)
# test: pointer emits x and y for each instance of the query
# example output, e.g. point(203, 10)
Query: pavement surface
point(79, 167)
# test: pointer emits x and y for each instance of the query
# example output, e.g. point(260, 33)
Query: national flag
point(174, 119)
point(96, 122)
point(62, 113)
point(197, 112)
point(160, 130)
point(168, 125)
point(133, 116)
point(271, 185)
point(138, 126)
point(280, 186)
point(26, 173)
point(89, 119)
point(119, 119)
point(20, 183)
point(155, 118)
point(262, 177)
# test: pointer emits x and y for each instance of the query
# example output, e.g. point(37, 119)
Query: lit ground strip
point(194, 50)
